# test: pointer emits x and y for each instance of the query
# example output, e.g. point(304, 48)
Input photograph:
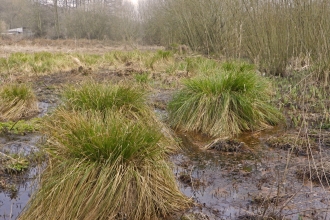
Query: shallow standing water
point(239, 185)
point(16, 189)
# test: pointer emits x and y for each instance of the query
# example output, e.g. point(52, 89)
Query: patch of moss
point(21, 126)
point(16, 165)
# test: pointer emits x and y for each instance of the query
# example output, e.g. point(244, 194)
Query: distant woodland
point(267, 32)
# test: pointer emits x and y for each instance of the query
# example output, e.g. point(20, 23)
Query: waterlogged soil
point(16, 188)
point(262, 184)
point(253, 180)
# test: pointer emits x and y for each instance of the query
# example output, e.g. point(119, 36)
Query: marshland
point(171, 109)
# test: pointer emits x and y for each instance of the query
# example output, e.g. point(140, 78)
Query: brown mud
point(262, 184)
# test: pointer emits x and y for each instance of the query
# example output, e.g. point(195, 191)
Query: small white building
point(20, 31)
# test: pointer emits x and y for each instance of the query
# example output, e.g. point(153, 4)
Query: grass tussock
point(17, 101)
point(224, 104)
point(128, 100)
point(96, 137)
point(104, 168)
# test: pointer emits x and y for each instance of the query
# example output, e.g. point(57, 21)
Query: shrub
point(104, 168)
point(224, 104)
point(17, 101)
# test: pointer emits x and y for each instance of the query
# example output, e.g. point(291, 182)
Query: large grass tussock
point(104, 168)
point(129, 100)
point(224, 104)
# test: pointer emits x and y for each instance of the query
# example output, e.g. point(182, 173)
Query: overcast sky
point(134, 1)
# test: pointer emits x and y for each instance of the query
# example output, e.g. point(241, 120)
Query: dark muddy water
point(16, 189)
point(262, 182)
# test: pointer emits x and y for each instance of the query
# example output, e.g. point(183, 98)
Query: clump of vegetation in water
point(17, 101)
point(16, 166)
point(224, 104)
point(14, 163)
point(104, 166)
point(128, 100)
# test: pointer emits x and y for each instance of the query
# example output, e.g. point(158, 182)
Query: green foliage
point(102, 97)
point(302, 92)
point(96, 138)
point(326, 126)
point(128, 100)
point(90, 59)
point(41, 62)
point(21, 126)
point(237, 66)
point(17, 101)
point(224, 104)
point(142, 78)
point(122, 56)
point(150, 63)
point(17, 165)
point(108, 164)
point(16, 91)
point(164, 54)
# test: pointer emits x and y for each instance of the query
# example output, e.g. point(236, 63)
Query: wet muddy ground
point(16, 188)
point(262, 183)
point(254, 180)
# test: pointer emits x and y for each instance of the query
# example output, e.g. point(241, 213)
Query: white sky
point(134, 1)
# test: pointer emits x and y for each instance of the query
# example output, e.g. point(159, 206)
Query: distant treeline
point(274, 34)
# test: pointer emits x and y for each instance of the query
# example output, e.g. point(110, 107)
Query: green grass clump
point(224, 104)
point(142, 78)
point(128, 99)
point(164, 54)
point(36, 63)
point(90, 135)
point(108, 167)
point(17, 101)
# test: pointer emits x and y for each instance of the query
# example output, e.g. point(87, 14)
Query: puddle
point(18, 187)
point(43, 108)
point(13, 201)
point(237, 185)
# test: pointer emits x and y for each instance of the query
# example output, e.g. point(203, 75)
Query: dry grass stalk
point(17, 102)
point(105, 166)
